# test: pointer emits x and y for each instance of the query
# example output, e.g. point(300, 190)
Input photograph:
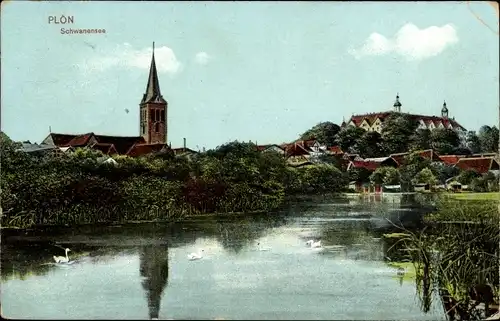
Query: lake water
point(142, 271)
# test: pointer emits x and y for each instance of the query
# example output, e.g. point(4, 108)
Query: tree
point(359, 175)
point(444, 171)
point(421, 140)
point(412, 165)
point(392, 176)
point(347, 138)
point(444, 140)
point(473, 142)
point(370, 145)
point(425, 176)
point(466, 177)
point(488, 136)
point(397, 132)
point(385, 175)
point(325, 133)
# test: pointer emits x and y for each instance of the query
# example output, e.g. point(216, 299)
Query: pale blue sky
point(262, 71)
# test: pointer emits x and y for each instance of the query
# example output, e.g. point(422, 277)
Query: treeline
point(400, 133)
point(79, 188)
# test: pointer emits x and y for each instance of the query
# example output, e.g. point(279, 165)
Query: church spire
point(153, 94)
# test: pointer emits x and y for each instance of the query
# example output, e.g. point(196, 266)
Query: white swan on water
point(195, 256)
point(313, 244)
point(62, 259)
point(263, 248)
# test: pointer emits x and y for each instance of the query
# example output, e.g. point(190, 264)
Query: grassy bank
point(489, 196)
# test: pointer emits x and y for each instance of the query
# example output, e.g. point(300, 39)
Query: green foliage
point(348, 138)
point(457, 255)
point(473, 142)
point(425, 176)
point(325, 133)
point(466, 177)
point(488, 137)
point(385, 175)
point(79, 189)
point(397, 132)
point(444, 140)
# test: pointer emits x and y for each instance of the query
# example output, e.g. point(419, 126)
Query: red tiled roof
point(262, 148)
point(61, 139)
point(451, 159)
point(480, 165)
point(296, 150)
point(143, 149)
point(370, 165)
point(107, 149)
point(372, 117)
point(181, 150)
point(429, 154)
point(122, 144)
point(373, 163)
point(335, 150)
point(80, 140)
point(399, 157)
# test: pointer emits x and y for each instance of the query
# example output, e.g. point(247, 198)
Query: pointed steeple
point(444, 111)
point(153, 94)
point(397, 104)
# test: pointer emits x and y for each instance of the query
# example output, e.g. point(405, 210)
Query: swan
point(195, 256)
point(62, 259)
point(401, 271)
point(263, 248)
point(313, 244)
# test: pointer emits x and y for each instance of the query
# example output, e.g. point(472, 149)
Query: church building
point(152, 127)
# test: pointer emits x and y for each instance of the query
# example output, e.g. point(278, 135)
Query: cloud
point(125, 56)
point(202, 58)
point(410, 42)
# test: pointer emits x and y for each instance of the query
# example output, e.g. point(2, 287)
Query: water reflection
point(154, 271)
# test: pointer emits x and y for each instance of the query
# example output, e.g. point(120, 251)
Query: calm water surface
point(142, 271)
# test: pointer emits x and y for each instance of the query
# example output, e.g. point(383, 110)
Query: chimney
point(184, 143)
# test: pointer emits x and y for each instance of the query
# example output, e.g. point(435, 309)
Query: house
point(120, 144)
point(334, 150)
point(271, 148)
point(374, 121)
point(372, 163)
point(480, 165)
point(451, 159)
point(152, 126)
point(138, 150)
point(429, 154)
point(302, 151)
point(39, 149)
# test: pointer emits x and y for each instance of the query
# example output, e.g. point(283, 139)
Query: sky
point(259, 71)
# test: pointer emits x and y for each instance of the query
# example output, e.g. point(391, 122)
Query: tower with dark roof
point(444, 111)
point(153, 109)
point(397, 104)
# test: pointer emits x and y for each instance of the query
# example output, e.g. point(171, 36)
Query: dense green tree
point(488, 136)
point(443, 171)
point(425, 176)
point(370, 144)
point(348, 138)
point(444, 140)
point(325, 133)
point(422, 139)
point(397, 132)
point(473, 142)
point(466, 177)
point(359, 175)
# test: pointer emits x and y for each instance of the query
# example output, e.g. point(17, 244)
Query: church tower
point(153, 109)
point(444, 111)
point(397, 105)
